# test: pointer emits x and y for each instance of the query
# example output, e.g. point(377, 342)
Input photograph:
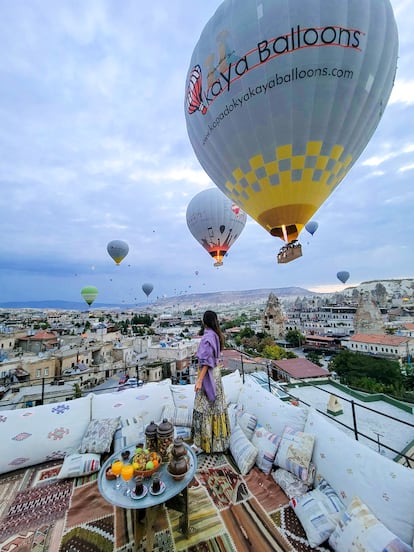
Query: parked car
point(131, 382)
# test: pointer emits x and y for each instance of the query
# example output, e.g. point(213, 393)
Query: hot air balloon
point(311, 226)
point(343, 276)
point(89, 294)
point(282, 98)
point(118, 250)
point(147, 288)
point(213, 222)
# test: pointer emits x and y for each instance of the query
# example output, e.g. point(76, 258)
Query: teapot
point(178, 465)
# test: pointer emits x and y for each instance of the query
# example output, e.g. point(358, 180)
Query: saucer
point(135, 497)
point(162, 489)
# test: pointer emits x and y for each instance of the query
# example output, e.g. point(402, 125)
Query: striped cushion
point(242, 450)
point(178, 415)
point(247, 422)
point(267, 444)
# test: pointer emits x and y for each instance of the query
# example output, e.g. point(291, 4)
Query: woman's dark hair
point(210, 320)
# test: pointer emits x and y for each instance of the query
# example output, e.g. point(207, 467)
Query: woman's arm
point(199, 381)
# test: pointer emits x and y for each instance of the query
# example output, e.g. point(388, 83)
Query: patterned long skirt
point(211, 424)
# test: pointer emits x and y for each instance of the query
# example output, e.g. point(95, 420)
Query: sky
point(94, 147)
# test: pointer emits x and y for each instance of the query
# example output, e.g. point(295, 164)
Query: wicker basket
point(148, 473)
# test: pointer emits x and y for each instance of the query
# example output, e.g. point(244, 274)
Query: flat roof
point(300, 368)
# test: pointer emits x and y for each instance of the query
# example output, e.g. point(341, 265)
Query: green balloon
point(89, 294)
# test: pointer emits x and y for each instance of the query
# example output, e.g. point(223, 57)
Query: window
point(38, 372)
point(46, 372)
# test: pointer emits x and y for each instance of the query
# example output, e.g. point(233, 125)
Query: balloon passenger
point(211, 424)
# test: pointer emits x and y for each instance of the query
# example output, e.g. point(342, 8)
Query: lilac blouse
point(209, 349)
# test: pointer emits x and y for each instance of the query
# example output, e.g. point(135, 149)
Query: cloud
point(94, 147)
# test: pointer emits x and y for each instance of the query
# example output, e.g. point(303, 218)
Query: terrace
point(230, 508)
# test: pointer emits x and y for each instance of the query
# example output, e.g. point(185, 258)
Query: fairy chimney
point(273, 322)
point(368, 318)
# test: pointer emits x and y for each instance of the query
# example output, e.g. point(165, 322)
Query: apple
point(149, 465)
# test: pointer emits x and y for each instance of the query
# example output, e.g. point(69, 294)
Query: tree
point(314, 357)
point(275, 352)
point(295, 338)
point(358, 370)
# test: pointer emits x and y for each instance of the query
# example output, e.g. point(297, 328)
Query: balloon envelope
point(89, 294)
point(311, 226)
point(282, 98)
point(343, 276)
point(118, 250)
point(214, 222)
point(147, 288)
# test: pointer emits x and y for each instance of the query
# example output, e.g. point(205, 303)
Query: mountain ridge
point(397, 286)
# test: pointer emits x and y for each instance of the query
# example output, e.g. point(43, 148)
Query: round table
point(175, 495)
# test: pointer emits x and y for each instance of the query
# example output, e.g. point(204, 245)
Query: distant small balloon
point(343, 276)
point(89, 294)
point(311, 226)
point(147, 288)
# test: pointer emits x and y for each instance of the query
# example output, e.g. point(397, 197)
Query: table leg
point(139, 526)
point(150, 518)
point(179, 503)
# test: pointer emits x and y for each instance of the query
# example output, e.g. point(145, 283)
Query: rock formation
point(368, 318)
point(273, 322)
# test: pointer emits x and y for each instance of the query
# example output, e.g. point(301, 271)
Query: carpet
point(228, 513)
point(289, 525)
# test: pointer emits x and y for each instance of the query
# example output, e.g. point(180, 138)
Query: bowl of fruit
point(146, 462)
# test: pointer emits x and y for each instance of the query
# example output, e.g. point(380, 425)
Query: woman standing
point(211, 425)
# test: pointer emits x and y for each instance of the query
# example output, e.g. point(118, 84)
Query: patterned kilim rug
point(228, 513)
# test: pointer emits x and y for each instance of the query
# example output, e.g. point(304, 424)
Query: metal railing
point(408, 461)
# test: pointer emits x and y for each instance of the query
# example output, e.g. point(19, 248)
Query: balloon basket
point(289, 252)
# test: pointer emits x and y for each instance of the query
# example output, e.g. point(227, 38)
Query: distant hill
point(217, 298)
point(394, 287)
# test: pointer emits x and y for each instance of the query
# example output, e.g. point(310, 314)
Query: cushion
point(295, 452)
point(291, 485)
point(358, 529)
point(42, 433)
point(178, 416)
point(267, 444)
point(353, 469)
point(232, 385)
point(272, 413)
point(76, 465)
point(232, 410)
point(182, 432)
point(242, 450)
point(147, 401)
point(132, 431)
point(98, 436)
point(313, 511)
point(183, 396)
point(247, 422)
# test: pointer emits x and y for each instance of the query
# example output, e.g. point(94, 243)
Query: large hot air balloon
point(118, 250)
point(343, 276)
point(282, 98)
point(147, 288)
point(214, 223)
point(311, 227)
point(89, 294)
